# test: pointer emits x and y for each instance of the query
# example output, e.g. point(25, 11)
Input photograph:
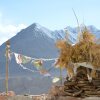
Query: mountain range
point(38, 42)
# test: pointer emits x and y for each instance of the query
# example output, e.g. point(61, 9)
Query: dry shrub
point(65, 53)
point(86, 50)
point(95, 55)
point(86, 36)
point(81, 52)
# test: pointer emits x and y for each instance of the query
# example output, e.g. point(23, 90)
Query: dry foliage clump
point(65, 52)
point(95, 53)
point(86, 50)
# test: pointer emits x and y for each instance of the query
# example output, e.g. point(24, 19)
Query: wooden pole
point(61, 76)
point(7, 50)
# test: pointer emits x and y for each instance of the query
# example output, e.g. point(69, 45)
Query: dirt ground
point(45, 97)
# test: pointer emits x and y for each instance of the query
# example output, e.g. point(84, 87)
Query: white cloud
point(11, 29)
point(3, 39)
point(8, 30)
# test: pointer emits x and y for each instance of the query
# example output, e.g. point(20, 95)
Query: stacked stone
point(81, 87)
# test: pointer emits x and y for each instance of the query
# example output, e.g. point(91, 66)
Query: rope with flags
point(44, 59)
point(37, 62)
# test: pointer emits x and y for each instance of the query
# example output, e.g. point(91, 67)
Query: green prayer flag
point(25, 59)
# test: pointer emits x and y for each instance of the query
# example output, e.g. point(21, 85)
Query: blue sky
point(53, 14)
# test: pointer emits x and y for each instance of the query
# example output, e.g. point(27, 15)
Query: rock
point(57, 91)
point(11, 93)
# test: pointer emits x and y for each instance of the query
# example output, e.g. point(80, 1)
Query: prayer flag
point(38, 64)
point(21, 59)
point(18, 58)
point(25, 59)
point(55, 79)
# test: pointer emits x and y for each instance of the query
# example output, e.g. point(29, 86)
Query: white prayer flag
point(55, 79)
point(18, 58)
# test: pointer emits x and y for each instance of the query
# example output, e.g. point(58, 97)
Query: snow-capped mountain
point(40, 29)
point(35, 41)
point(72, 33)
